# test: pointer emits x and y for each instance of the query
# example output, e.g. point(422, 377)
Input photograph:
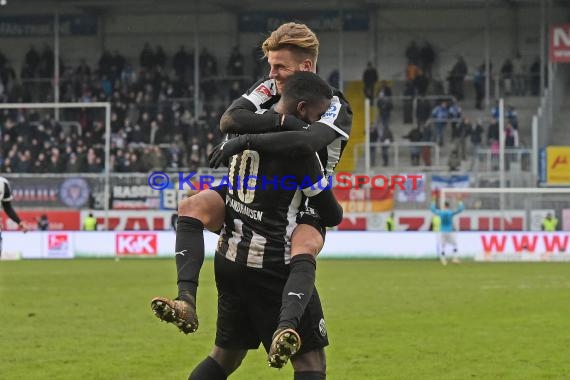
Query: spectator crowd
point(153, 124)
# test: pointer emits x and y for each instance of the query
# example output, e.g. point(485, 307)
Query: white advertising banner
point(468, 220)
point(380, 244)
point(481, 246)
point(127, 243)
point(519, 246)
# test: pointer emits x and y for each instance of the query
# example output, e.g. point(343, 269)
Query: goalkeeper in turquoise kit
point(446, 236)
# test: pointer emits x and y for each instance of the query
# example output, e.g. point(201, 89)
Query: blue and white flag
point(454, 181)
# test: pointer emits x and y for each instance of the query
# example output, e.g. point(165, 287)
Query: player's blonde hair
point(298, 37)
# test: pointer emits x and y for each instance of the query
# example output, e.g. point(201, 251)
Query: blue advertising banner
point(42, 25)
point(318, 21)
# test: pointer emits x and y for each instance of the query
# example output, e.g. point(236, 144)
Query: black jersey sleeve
point(292, 143)
point(319, 191)
point(336, 122)
point(244, 114)
point(7, 193)
point(11, 212)
point(328, 208)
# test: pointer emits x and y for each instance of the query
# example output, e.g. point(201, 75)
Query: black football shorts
point(249, 302)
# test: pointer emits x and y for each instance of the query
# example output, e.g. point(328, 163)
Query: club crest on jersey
point(322, 327)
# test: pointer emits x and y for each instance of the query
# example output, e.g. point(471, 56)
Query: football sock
point(298, 290)
point(189, 255)
point(309, 375)
point(208, 369)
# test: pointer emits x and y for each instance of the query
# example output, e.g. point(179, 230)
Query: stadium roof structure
point(248, 5)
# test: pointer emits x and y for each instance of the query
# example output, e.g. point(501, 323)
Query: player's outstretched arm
point(460, 208)
point(433, 207)
point(13, 215)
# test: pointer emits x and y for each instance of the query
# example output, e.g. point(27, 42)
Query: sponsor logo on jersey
point(262, 89)
point(332, 112)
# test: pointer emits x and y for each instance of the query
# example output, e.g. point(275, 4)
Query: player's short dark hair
point(305, 86)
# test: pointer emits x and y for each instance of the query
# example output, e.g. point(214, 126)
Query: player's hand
point(23, 227)
point(221, 153)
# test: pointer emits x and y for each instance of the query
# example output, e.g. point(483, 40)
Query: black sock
point(309, 375)
point(189, 255)
point(298, 290)
point(208, 369)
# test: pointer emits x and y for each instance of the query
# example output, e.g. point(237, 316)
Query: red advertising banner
point(365, 199)
point(560, 43)
point(58, 220)
point(132, 220)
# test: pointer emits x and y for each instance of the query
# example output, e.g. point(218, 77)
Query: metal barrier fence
point(426, 152)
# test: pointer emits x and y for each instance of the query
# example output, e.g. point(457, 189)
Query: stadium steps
point(354, 92)
point(560, 135)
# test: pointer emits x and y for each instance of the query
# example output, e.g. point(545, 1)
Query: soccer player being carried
point(446, 235)
point(289, 49)
point(253, 256)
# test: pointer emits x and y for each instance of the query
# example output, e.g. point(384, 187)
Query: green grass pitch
point(90, 319)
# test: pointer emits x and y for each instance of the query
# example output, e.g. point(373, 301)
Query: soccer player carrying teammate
point(290, 48)
point(6, 198)
point(252, 258)
point(446, 229)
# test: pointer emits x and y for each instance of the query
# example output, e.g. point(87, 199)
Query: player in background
point(252, 257)
point(446, 235)
point(290, 48)
point(6, 197)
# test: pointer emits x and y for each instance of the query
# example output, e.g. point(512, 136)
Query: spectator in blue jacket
point(440, 116)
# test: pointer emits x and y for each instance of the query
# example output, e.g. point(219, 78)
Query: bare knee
point(306, 239)
point(229, 360)
point(207, 206)
point(310, 361)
